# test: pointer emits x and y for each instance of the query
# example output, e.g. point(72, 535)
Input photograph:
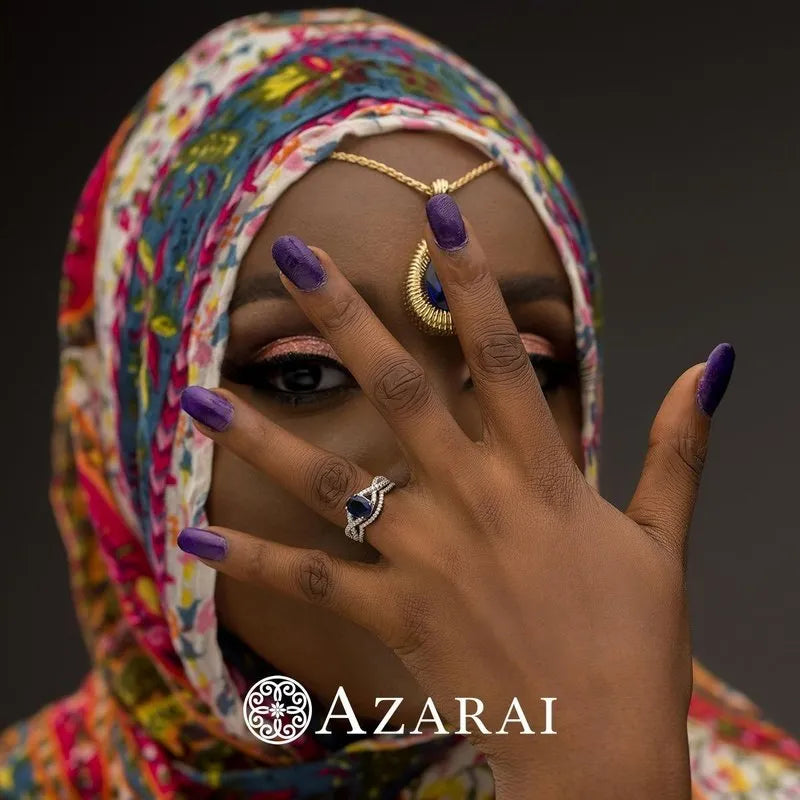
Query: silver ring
point(364, 507)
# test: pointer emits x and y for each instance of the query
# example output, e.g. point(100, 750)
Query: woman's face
point(370, 225)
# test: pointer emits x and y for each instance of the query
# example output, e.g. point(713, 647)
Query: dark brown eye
point(548, 371)
point(293, 377)
point(305, 375)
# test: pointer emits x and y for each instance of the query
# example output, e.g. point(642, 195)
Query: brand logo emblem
point(277, 710)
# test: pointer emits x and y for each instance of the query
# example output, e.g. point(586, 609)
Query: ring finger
point(512, 403)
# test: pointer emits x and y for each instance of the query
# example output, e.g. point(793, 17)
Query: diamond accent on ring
point(364, 507)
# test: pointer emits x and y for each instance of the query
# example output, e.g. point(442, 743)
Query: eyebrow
point(517, 289)
point(255, 288)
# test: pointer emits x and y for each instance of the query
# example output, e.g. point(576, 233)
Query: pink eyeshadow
point(315, 345)
point(537, 344)
point(532, 343)
point(312, 345)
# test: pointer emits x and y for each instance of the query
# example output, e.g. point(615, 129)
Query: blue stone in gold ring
point(424, 298)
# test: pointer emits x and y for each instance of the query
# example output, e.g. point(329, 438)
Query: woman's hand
point(502, 573)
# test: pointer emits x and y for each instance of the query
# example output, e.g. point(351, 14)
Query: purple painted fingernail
point(210, 409)
point(203, 544)
point(446, 222)
point(712, 386)
point(298, 263)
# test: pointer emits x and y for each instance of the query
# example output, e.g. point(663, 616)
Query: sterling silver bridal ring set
point(364, 507)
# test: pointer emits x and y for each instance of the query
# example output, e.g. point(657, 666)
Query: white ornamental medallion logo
point(277, 710)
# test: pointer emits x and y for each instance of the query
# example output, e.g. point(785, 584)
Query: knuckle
point(485, 507)
point(692, 450)
point(472, 278)
point(330, 481)
point(499, 354)
point(555, 480)
point(491, 512)
point(658, 525)
point(401, 387)
point(684, 454)
point(340, 312)
point(313, 576)
point(258, 566)
point(412, 624)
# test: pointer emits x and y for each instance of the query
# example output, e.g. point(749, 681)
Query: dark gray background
point(680, 129)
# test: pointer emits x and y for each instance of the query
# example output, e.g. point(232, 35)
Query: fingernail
point(203, 544)
point(446, 222)
point(712, 386)
point(298, 263)
point(210, 409)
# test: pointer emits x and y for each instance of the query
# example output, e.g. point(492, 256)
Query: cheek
point(243, 498)
point(246, 500)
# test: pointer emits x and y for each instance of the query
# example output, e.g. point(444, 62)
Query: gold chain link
point(363, 161)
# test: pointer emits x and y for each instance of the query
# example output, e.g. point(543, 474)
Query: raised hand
point(502, 572)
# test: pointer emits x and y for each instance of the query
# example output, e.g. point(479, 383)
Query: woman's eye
point(549, 372)
point(293, 379)
point(305, 376)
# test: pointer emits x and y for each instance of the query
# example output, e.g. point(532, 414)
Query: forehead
point(370, 223)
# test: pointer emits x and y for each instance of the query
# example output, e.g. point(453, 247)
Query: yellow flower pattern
point(274, 88)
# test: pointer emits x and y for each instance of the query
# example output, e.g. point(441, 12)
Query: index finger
point(391, 378)
point(349, 588)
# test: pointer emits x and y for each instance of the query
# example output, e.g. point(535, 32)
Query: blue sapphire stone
point(358, 507)
point(433, 288)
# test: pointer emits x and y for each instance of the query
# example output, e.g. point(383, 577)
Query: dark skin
point(370, 225)
point(532, 579)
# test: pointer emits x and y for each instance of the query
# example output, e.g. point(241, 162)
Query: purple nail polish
point(298, 263)
point(446, 222)
point(203, 544)
point(712, 386)
point(210, 409)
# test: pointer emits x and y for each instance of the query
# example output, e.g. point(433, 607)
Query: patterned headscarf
point(160, 229)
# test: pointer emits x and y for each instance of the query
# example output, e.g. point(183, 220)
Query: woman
point(482, 563)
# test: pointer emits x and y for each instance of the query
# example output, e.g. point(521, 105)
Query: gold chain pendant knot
point(424, 298)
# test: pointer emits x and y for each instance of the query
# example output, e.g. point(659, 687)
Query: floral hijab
point(160, 229)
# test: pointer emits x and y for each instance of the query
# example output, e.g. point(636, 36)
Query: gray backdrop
point(680, 129)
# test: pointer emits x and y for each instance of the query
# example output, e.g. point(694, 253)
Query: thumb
point(665, 496)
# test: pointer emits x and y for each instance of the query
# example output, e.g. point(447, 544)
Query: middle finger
point(513, 406)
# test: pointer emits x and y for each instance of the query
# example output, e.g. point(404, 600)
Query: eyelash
point(259, 374)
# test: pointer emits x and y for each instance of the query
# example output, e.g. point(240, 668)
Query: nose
point(444, 366)
point(458, 397)
point(442, 360)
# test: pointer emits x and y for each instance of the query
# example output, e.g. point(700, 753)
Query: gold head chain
point(430, 313)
